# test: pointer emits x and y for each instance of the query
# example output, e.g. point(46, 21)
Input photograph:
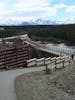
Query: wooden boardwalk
point(52, 49)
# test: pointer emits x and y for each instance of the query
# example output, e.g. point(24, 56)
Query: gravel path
point(39, 86)
point(7, 78)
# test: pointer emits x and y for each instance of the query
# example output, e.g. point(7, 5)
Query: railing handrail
point(49, 60)
point(52, 49)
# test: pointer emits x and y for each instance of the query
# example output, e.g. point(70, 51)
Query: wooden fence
point(14, 57)
point(52, 63)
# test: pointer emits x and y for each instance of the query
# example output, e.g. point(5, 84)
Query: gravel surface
point(7, 80)
point(59, 85)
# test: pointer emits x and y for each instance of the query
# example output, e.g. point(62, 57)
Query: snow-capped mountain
point(39, 22)
point(25, 23)
point(46, 22)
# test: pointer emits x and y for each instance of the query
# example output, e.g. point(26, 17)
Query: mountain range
point(47, 22)
point(38, 22)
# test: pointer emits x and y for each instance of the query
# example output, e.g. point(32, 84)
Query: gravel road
point(7, 78)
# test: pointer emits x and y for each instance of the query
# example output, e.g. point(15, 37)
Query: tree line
point(42, 32)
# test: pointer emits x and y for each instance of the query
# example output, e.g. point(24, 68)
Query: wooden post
point(55, 64)
point(69, 61)
point(63, 63)
point(47, 69)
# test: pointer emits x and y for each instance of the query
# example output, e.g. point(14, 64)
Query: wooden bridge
point(52, 49)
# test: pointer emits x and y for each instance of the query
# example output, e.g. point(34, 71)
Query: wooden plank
point(1, 63)
point(10, 58)
point(2, 57)
point(10, 61)
point(22, 48)
point(25, 49)
point(21, 53)
point(20, 61)
point(20, 56)
point(1, 54)
point(9, 53)
point(23, 58)
point(47, 60)
point(1, 60)
point(22, 65)
point(24, 62)
point(2, 66)
point(40, 61)
point(11, 64)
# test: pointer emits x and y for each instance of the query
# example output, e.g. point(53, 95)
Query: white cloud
point(15, 11)
point(22, 4)
point(2, 6)
point(70, 9)
point(25, 9)
point(34, 8)
point(60, 5)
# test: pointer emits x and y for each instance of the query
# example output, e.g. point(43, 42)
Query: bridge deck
point(52, 49)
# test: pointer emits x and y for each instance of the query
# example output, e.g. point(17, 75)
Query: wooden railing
point(52, 63)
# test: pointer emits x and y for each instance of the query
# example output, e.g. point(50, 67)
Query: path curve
point(7, 78)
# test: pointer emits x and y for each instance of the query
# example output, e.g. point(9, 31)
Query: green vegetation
point(54, 33)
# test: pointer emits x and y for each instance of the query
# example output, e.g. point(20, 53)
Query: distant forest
point(64, 33)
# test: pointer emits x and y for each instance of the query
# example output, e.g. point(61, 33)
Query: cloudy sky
point(15, 11)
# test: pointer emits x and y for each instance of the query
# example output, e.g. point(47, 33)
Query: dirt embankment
point(59, 85)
